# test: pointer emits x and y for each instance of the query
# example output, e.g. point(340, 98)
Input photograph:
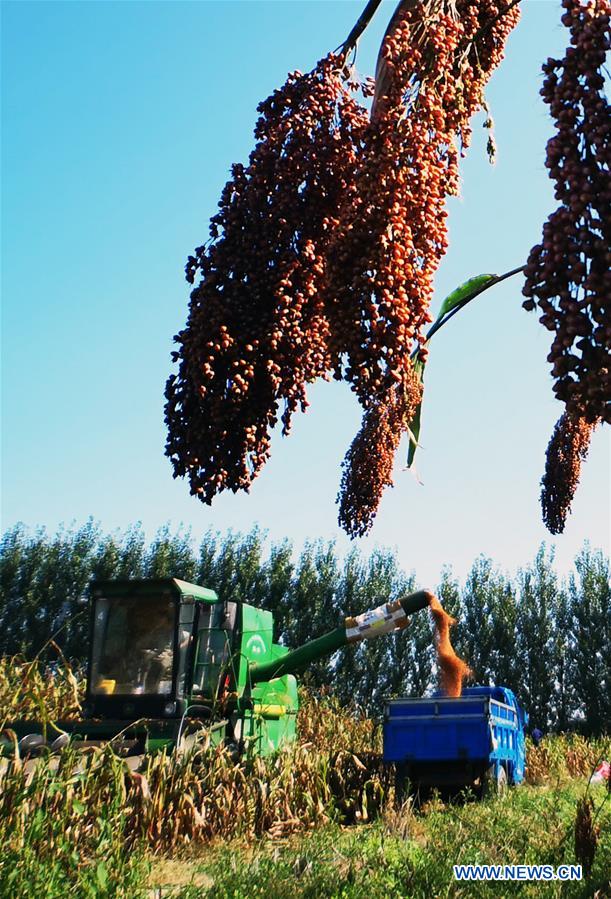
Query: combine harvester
point(171, 663)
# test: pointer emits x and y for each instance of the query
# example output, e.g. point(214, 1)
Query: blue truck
point(476, 741)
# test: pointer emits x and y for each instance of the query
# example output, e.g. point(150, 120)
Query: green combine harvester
point(171, 663)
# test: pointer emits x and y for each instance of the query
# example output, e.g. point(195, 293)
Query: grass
point(100, 831)
point(94, 865)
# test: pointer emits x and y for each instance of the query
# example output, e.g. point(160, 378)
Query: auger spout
point(386, 619)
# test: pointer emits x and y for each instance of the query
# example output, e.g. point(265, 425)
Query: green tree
point(351, 601)
point(44, 588)
point(564, 693)
point(64, 586)
point(276, 589)
point(503, 611)
point(207, 557)
point(120, 555)
point(411, 651)
point(590, 612)
point(20, 556)
point(552, 646)
point(171, 555)
point(449, 595)
point(312, 604)
point(235, 570)
point(538, 585)
point(477, 637)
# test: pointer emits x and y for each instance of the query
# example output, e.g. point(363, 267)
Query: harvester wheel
point(234, 751)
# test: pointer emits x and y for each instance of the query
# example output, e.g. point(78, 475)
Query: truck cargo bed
point(441, 739)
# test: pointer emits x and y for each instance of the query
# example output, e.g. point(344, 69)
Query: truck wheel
point(402, 784)
point(494, 781)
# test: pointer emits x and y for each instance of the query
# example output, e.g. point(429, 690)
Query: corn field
point(332, 774)
point(30, 690)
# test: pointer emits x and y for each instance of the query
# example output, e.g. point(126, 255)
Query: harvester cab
point(170, 661)
point(166, 651)
point(155, 645)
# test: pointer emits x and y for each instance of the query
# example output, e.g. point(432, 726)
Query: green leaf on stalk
point(418, 365)
point(464, 293)
point(414, 425)
point(414, 433)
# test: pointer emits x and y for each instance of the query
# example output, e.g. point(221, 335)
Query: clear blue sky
point(120, 121)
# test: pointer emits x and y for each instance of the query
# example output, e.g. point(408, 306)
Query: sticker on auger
point(376, 622)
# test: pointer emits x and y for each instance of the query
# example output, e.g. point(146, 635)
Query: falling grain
point(453, 670)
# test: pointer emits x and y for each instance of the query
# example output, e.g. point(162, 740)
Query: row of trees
point(548, 640)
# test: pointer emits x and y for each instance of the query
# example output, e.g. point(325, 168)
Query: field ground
point(403, 854)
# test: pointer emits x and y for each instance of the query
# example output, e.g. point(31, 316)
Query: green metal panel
point(257, 634)
point(202, 594)
point(272, 723)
